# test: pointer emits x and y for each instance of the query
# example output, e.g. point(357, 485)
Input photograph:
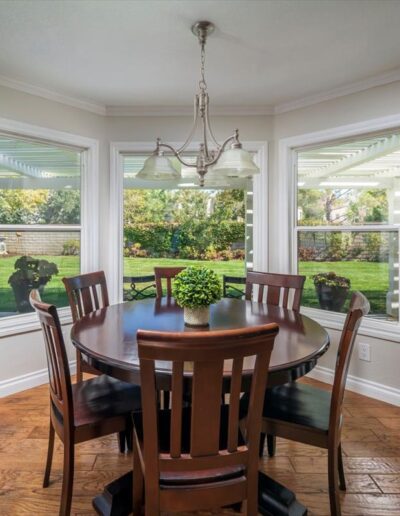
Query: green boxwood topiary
point(196, 287)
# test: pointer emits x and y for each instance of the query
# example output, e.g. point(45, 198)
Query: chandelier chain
point(202, 82)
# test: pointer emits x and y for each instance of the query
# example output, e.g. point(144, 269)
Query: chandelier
point(220, 161)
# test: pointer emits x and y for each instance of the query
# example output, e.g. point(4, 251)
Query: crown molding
point(187, 110)
point(341, 91)
point(145, 111)
point(52, 95)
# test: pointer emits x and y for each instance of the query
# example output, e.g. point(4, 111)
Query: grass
point(54, 290)
point(144, 266)
point(369, 277)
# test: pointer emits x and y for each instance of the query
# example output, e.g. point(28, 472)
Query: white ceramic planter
point(196, 316)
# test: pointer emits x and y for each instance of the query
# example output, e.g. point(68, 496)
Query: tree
point(18, 206)
point(61, 207)
point(370, 206)
point(229, 205)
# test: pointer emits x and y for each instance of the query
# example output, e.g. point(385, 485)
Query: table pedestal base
point(273, 498)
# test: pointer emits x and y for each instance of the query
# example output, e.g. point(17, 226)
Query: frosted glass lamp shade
point(235, 163)
point(158, 168)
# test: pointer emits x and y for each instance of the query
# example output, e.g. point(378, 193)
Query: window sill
point(26, 323)
point(384, 330)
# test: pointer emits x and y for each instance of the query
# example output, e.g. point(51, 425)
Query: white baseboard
point(28, 380)
point(368, 388)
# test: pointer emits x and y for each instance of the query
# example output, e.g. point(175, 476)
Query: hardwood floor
point(371, 444)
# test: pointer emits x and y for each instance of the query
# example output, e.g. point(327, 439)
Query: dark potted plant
point(195, 289)
point(30, 273)
point(331, 290)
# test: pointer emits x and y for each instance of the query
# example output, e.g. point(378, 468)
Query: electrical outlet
point(364, 351)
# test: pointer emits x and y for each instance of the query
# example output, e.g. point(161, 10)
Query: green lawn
point(370, 278)
point(144, 266)
point(69, 266)
point(54, 291)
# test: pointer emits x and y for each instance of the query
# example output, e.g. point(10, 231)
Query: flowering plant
point(330, 279)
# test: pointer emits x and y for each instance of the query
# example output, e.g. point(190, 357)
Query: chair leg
point(262, 445)
point(79, 374)
point(342, 479)
point(151, 505)
point(138, 483)
point(271, 445)
point(121, 441)
point(68, 478)
point(49, 460)
point(129, 434)
point(252, 496)
point(333, 474)
point(166, 399)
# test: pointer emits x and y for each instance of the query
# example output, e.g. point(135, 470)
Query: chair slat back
point(57, 360)
point(278, 288)
point(359, 307)
point(86, 293)
point(168, 274)
point(206, 352)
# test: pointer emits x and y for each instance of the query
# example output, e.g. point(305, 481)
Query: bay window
point(48, 217)
point(347, 223)
point(181, 224)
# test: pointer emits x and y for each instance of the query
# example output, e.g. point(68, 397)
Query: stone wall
point(37, 243)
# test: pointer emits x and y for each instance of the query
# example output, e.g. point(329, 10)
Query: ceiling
point(264, 54)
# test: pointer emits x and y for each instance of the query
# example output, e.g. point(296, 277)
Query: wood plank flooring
point(371, 444)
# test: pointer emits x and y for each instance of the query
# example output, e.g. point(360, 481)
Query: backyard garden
point(188, 227)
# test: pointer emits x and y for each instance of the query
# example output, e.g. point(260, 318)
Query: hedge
point(190, 240)
point(335, 246)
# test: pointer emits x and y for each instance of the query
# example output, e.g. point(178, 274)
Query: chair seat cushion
point(103, 397)
point(296, 403)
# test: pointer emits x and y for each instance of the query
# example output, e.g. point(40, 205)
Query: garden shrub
point(135, 251)
point(192, 239)
point(307, 254)
point(332, 247)
point(71, 248)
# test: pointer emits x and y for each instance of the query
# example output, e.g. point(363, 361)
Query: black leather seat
point(103, 395)
point(295, 403)
point(300, 404)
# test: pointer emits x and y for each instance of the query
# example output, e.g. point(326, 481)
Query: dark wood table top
point(107, 337)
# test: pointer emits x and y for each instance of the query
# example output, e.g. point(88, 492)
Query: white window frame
point(114, 266)
point(89, 225)
point(286, 247)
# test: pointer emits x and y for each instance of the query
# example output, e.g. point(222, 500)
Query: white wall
point(24, 354)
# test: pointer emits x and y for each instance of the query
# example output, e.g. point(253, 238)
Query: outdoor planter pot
point(30, 273)
point(331, 298)
point(332, 290)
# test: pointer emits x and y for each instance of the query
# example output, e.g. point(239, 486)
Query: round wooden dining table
point(107, 339)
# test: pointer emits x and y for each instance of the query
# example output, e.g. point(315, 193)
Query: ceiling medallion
point(219, 161)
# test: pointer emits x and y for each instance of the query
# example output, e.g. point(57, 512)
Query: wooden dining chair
point(313, 416)
point(193, 456)
point(281, 289)
point(86, 293)
point(168, 274)
point(82, 411)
